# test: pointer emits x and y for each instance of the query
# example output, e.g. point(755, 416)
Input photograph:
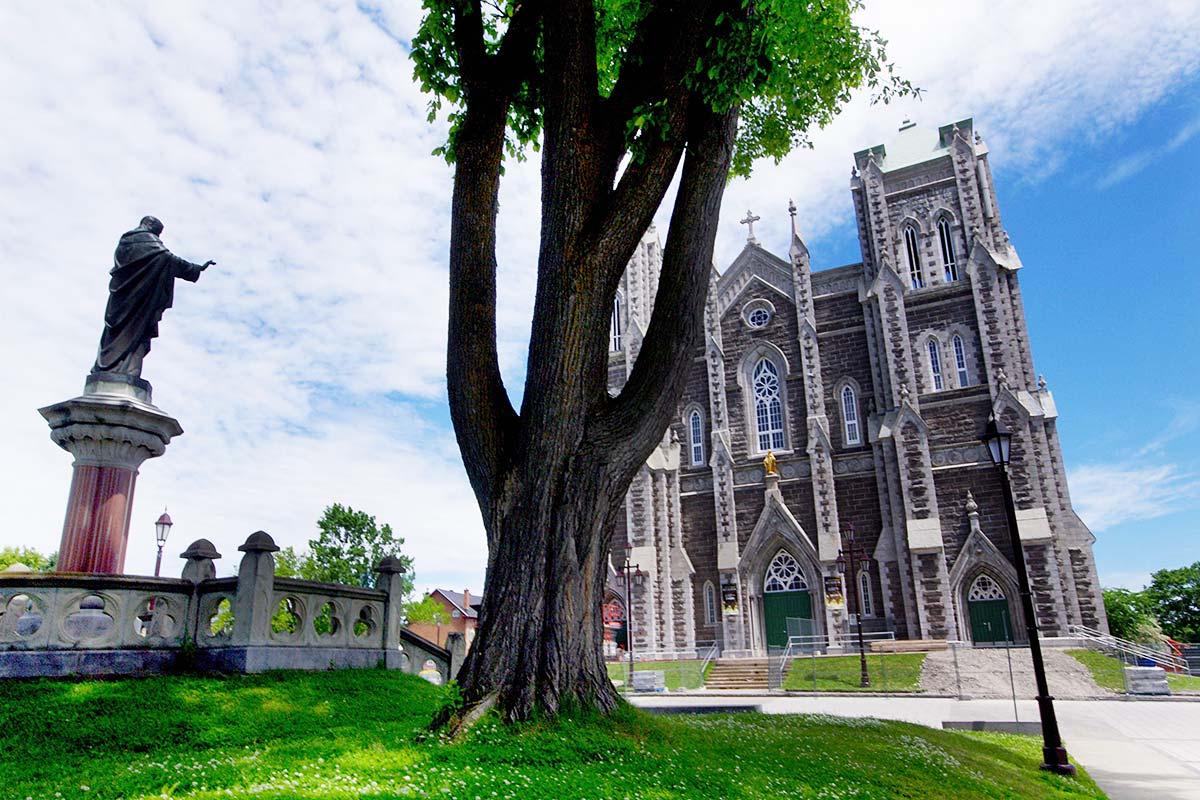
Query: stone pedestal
point(110, 430)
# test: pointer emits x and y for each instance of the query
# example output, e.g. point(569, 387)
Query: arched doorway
point(785, 597)
point(987, 610)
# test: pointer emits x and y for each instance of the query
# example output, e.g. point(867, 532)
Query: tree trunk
point(551, 479)
point(540, 631)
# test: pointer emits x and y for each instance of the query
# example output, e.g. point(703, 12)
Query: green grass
point(893, 672)
point(350, 734)
point(684, 674)
point(1109, 672)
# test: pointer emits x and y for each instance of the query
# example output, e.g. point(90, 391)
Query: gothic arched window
point(866, 601)
point(945, 238)
point(984, 588)
point(768, 408)
point(784, 574)
point(935, 365)
point(710, 604)
point(913, 253)
point(850, 416)
point(960, 360)
point(615, 343)
point(696, 437)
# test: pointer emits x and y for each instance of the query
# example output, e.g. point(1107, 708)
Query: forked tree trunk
point(541, 634)
point(551, 479)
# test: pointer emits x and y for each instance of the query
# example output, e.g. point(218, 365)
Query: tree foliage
point(35, 560)
point(428, 611)
point(1175, 594)
point(1131, 615)
point(347, 549)
point(788, 66)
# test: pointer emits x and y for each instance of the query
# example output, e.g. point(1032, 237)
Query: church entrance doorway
point(987, 607)
point(787, 603)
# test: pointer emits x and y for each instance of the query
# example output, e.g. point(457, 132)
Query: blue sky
point(289, 143)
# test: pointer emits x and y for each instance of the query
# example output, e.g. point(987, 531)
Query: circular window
point(758, 317)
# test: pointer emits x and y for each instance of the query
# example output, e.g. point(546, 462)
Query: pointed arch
point(615, 329)
point(763, 374)
point(710, 603)
point(933, 349)
point(960, 360)
point(945, 234)
point(912, 255)
point(866, 596)
point(846, 397)
point(693, 424)
point(784, 574)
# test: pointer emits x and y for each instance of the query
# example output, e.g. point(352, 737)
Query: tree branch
point(642, 410)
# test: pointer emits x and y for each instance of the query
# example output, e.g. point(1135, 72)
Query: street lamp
point(162, 529)
point(998, 439)
point(855, 555)
point(634, 571)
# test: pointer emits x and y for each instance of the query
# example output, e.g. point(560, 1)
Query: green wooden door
point(990, 621)
point(777, 607)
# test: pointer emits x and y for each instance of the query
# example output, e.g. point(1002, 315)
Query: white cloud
point(1133, 164)
point(1106, 495)
point(289, 143)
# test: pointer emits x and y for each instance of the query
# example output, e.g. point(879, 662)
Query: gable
point(753, 262)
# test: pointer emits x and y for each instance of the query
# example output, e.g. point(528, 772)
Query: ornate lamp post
point(998, 439)
point(632, 572)
point(162, 529)
point(854, 555)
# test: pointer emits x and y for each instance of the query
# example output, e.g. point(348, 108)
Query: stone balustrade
point(64, 624)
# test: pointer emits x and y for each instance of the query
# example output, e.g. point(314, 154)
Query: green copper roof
point(913, 145)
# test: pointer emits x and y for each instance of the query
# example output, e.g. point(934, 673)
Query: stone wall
point(60, 625)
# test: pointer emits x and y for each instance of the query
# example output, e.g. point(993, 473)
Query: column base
point(110, 430)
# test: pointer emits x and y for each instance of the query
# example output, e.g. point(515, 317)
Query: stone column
point(199, 568)
point(390, 578)
point(252, 607)
point(110, 430)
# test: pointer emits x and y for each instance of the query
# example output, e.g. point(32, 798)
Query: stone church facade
point(871, 384)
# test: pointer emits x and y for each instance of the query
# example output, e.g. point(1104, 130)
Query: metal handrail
point(1106, 641)
point(710, 655)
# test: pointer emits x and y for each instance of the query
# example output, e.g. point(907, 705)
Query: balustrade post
point(456, 643)
point(252, 607)
point(390, 578)
point(199, 568)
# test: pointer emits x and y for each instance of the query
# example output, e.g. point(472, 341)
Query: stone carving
point(141, 289)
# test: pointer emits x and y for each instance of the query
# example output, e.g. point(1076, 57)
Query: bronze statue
point(141, 289)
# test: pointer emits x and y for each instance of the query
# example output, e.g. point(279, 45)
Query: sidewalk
point(1133, 749)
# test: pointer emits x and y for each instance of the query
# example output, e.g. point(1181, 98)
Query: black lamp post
point(998, 439)
point(162, 529)
point(631, 571)
point(854, 556)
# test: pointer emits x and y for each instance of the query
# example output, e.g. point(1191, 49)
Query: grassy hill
point(350, 734)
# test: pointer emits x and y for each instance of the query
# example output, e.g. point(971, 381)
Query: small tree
point(31, 558)
point(1131, 615)
point(348, 548)
point(428, 611)
point(1175, 595)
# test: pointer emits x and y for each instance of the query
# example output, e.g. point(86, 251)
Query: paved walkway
point(1133, 749)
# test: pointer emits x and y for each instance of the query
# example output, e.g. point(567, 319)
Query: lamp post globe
point(162, 529)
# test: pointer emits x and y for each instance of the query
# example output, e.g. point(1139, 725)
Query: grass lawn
point(676, 674)
point(1109, 672)
point(892, 672)
point(350, 734)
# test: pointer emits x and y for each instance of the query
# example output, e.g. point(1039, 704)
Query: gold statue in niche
point(770, 465)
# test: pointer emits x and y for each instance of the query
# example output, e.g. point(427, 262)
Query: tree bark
point(551, 480)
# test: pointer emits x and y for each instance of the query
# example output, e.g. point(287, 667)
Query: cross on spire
point(749, 223)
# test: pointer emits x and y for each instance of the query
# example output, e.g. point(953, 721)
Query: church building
point(866, 387)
